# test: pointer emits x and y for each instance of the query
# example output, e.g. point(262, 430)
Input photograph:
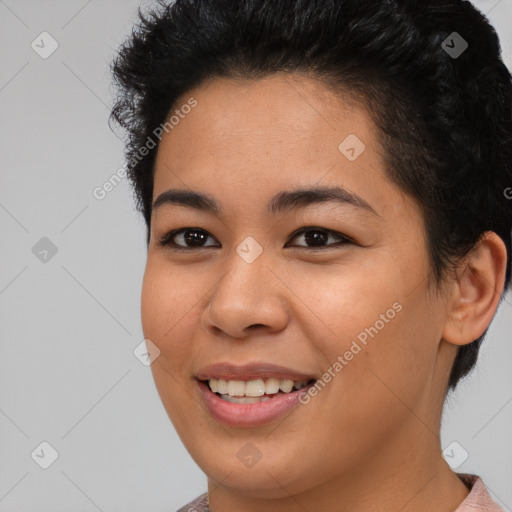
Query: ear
point(476, 292)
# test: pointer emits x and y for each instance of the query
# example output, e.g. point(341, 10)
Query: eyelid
point(341, 236)
point(165, 240)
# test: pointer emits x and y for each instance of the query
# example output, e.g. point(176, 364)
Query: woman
point(329, 237)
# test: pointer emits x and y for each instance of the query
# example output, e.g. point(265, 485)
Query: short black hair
point(443, 110)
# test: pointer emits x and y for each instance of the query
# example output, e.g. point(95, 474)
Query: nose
point(249, 296)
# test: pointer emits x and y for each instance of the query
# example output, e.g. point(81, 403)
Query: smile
point(254, 391)
point(251, 411)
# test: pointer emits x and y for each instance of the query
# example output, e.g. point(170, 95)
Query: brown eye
point(319, 237)
point(196, 238)
point(189, 238)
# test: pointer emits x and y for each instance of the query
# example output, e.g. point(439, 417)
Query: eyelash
point(166, 240)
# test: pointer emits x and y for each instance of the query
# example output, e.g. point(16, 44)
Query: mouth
point(253, 394)
point(252, 403)
point(254, 391)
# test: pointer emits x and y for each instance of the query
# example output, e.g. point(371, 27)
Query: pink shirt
point(478, 499)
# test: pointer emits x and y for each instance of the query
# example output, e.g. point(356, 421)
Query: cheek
point(408, 356)
point(385, 334)
point(168, 319)
point(155, 306)
point(345, 303)
point(168, 308)
point(389, 350)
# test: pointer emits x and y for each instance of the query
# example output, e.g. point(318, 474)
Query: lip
point(249, 415)
point(251, 371)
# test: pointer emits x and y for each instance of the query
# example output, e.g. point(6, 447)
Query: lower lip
point(249, 415)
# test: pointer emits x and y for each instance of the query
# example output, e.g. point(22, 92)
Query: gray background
point(68, 375)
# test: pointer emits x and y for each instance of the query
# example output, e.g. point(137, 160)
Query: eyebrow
point(280, 203)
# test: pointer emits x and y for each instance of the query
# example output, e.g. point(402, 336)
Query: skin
point(370, 439)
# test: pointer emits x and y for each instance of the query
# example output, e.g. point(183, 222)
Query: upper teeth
point(255, 388)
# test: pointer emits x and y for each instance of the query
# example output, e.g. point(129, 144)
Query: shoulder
point(478, 499)
point(200, 504)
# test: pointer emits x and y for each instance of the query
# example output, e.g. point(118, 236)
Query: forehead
point(284, 117)
point(255, 138)
point(282, 120)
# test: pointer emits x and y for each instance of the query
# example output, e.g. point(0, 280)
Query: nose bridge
point(247, 271)
point(247, 293)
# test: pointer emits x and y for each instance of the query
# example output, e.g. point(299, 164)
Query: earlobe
point(476, 292)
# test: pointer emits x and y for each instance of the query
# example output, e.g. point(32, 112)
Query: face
point(326, 287)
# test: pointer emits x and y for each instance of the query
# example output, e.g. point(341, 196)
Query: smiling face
point(246, 282)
